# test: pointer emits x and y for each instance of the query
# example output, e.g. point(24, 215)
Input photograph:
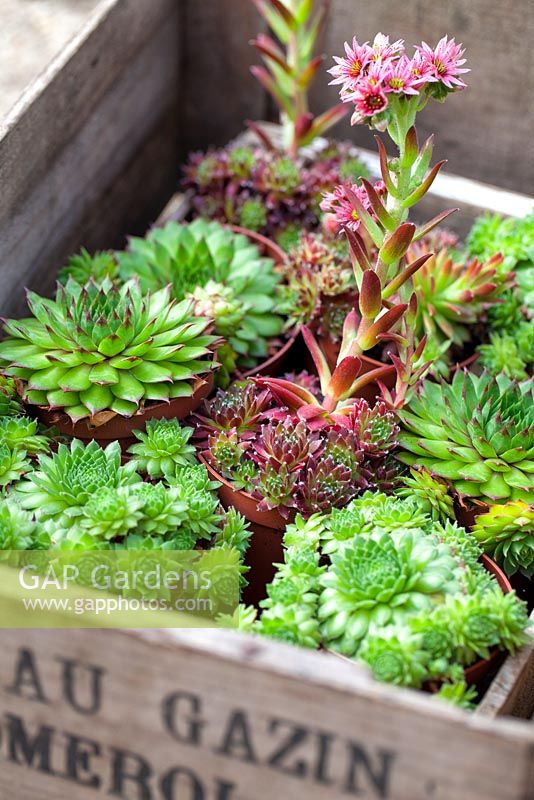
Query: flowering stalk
point(287, 76)
point(387, 90)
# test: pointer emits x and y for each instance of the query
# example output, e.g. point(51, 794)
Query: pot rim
point(83, 430)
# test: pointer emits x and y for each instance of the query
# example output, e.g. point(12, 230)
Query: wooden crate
point(90, 154)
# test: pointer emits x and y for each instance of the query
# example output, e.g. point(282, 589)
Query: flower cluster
point(375, 76)
point(286, 463)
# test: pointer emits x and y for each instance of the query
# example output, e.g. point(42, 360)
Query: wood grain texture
point(485, 132)
point(219, 706)
point(219, 92)
point(93, 148)
point(512, 690)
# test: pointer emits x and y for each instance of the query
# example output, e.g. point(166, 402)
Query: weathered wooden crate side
point(218, 716)
point(485, 131)
point(93, 147)
point(512, 690)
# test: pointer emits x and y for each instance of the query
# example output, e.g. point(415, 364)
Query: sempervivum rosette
point(379, 580)
point(506, 532)
point(478, 433)
point(103, 348)
point(223, 272)
point(65, 481)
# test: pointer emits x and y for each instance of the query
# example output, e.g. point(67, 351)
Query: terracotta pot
point(267, 527)
point(282, 361)
point(467, 510)
point(122, 428)
point(479, 671)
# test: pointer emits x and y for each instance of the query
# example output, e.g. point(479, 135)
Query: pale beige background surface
point(32, 32)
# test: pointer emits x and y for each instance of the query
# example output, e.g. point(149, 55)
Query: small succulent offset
point(477, 433)
point(18, 528)
point(22, 433)
point(506, 532)
point(163, 448)
point(433, 494)
point(103, 350)
point(10, 401)
point(225, 276)
point(320, 287)
point(13, 464)
point(65, 481)
point(290, 610)
point(510, 353)
point(83, 267)
point(240, 408)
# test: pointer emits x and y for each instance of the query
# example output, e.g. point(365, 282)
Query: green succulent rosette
point(83, 267)
point(13, 464)
point(395, 657)
point(380, 580)
point(506, 533)
point(20, 432)
point(10, 401)
point(67, 480)
point(430, 493)
point(162, 448)
point(225, 275)
point(18, 528)
point(103, 348)
point(477, 433)
point(163, 509)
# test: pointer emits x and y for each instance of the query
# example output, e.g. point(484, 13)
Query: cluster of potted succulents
point(380, 499)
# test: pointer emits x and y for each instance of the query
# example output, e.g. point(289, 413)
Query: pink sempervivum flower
point(369, 99)
point(422, 70)
point(349, 70)
point(338, 204)
point(382, 50)
point(399, 77)
point(445, 62)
